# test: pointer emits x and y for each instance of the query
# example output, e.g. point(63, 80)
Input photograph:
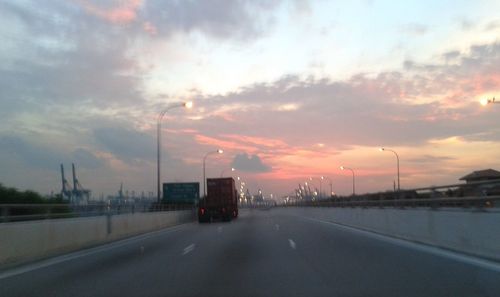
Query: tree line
point(9, 195)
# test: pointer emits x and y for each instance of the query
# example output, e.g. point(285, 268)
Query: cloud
point(466, 24)
point(150, 28)
point(249, 163)
point(402, 109)
point(301, 8)
point(450, 56)
point(86, 159)
point(59, 54)
point(77, 79)
point(121, 12)
point(36, 156)
point(493, 25)
point(430, 159)
point(126, 144)
point(221, 19)
point(225, 144)
point(414, 29)
point(42, 157)
point(288, 107)
point(241, 19)
point(65, 58)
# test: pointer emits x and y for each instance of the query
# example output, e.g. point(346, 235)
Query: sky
point(288, 89)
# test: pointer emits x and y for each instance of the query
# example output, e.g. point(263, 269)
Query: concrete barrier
point(463, 230)
point(28, 241)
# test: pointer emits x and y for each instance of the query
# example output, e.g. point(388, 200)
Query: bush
point(19, 213)
point(14, 196)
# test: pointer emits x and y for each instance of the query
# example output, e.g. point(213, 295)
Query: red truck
point(221, 201)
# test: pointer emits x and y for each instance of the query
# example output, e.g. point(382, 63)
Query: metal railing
point(457, 202)
point(26, 212)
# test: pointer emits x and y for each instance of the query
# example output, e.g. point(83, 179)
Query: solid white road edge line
point(87, 252)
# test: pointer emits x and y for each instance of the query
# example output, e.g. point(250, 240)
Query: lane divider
point(292, 243)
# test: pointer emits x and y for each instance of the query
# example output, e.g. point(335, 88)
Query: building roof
point(487, 173)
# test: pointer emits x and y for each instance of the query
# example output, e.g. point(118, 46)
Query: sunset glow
point(287, 89)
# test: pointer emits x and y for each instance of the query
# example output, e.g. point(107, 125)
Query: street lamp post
point(219, 151)
point(331, 185)
point(242, 184)
point(397, 159)
point(320, 185)
point(353, 179)
point(188, 104)
point(320, 189)
point(307, 184)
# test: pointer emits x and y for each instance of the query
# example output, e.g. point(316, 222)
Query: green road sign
point(181, 192)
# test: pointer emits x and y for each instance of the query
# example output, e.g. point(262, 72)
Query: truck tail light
point(202, 211)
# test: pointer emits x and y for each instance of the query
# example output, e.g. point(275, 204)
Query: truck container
point(221, 200)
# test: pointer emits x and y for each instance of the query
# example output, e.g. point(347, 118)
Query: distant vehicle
point(220, 202)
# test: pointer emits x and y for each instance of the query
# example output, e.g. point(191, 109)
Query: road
point(264, 253)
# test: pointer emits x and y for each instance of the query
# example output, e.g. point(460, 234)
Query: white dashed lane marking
point(188, 249)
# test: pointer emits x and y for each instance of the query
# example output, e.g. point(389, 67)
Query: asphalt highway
point(275, 252)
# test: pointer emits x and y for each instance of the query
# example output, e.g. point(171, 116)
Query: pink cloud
point(224, 144)
point(150, 28)
point(124, 13)
point(259, 141)
point(181, 131)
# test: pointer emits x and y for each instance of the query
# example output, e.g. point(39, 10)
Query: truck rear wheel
point(204, 219)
